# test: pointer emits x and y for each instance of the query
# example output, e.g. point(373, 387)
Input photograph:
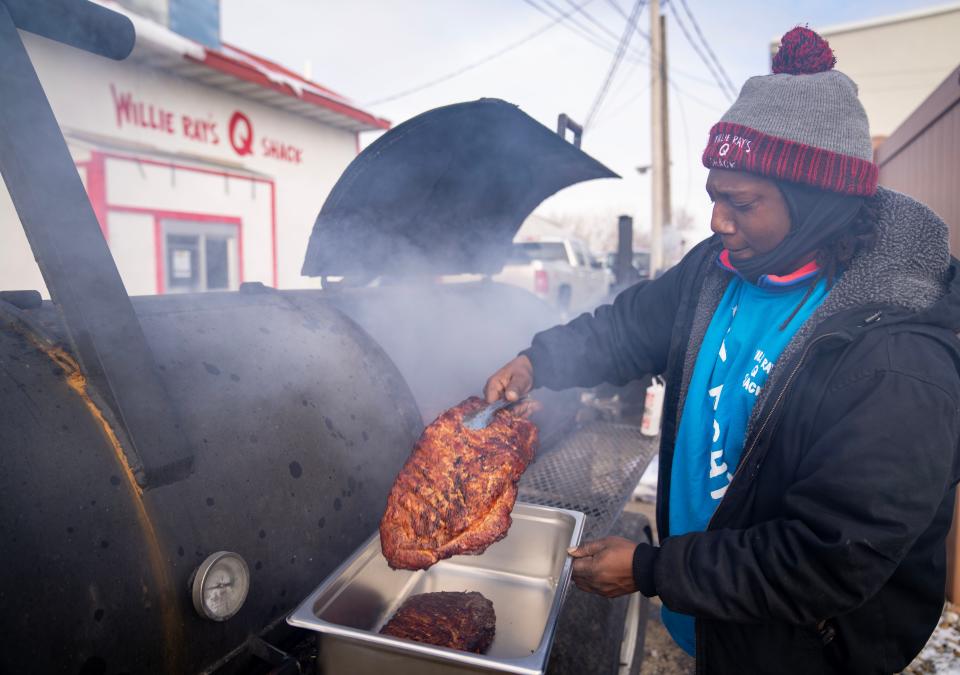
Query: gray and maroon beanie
point(802, 124)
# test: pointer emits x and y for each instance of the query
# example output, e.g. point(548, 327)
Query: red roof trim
point(266, 63)
point(243, 71)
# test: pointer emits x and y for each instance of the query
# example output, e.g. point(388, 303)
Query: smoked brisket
point(463, 621)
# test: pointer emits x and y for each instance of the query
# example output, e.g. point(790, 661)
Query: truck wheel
point(599, 636)
point(564, 295)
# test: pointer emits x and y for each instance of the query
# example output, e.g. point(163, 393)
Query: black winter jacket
point(827, 553)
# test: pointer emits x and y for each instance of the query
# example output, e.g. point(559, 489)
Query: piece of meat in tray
point(463, 621)
point(455, 492)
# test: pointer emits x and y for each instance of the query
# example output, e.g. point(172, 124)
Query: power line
point(706, 61)
point(616, 6)
point(589, 17)
point(646, 36)
point(607, 117)
point(706, 45)
point(619, 93)
point(686, 141)
point(573, 25)
point(628, 31)
point(638, 57)
point(475, 64)
point(697, 99)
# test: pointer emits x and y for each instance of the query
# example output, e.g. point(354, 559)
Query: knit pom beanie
point(804, 123)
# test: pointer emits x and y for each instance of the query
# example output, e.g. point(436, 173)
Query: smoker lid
point(443, 193)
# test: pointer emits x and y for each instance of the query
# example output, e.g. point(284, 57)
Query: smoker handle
point(103, 329)
point(78, 23)
point(564, 124)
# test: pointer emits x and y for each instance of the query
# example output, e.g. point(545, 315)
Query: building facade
point(206, 166)
point(896, 61)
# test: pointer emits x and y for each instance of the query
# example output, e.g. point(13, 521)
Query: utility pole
point(660, 136)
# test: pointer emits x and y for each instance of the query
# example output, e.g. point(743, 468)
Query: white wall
point(130, 235)
point(898, 64)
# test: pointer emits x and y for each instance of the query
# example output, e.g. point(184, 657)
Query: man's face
point(749, 212)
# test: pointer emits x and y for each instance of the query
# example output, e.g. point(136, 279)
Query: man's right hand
point(512, 382)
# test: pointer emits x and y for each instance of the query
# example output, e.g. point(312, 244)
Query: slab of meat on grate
point(455, 492)
point(463, 621)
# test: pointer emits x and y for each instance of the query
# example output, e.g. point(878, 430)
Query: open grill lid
point(443, 193)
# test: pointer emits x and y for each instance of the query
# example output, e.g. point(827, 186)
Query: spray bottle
point(653, 408)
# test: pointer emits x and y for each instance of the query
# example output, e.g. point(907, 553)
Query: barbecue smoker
point(162, 455)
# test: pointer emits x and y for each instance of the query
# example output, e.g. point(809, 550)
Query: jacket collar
point(795, 278)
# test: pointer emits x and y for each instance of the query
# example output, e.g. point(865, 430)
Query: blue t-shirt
point(739, 349)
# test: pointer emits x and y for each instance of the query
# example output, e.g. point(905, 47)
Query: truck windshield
point(538, 250)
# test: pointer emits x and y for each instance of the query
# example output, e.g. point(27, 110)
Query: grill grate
point(593, 470)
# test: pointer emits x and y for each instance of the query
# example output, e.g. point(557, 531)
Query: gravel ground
point(941, 655)
point(662, 656)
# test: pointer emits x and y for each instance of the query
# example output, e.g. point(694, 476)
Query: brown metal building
point(922, 159)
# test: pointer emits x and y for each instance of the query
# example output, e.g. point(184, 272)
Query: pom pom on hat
point(803, 52)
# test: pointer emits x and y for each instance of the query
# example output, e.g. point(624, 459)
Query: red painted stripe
point(178, 215)
point(240, 253)
point(158, 254)
point(273, 230)
point(97, 190)
point(246, 72)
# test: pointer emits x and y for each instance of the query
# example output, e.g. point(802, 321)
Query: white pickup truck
point(561, 271)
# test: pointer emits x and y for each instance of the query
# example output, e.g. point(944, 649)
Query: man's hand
point(604, 566)
point(513, 382)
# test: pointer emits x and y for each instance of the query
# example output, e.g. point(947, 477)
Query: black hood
point(443, 193)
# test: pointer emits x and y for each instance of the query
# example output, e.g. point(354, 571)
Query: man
point(808, 456)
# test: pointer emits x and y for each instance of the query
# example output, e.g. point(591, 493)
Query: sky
point(372, 50)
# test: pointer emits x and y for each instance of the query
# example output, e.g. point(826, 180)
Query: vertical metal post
point(665, 126)
point(659, 130)
point(68, 244)
point(623, 268)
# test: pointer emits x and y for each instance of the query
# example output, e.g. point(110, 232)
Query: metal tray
point(525, 575)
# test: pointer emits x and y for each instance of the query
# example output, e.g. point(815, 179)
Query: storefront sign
point(133, 112)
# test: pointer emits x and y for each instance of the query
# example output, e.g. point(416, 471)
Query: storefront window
point(199, 256)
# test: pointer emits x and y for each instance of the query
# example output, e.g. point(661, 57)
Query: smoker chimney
point(198, 20)
point(624, 271)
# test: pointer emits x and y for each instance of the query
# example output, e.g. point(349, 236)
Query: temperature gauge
point(220, 585)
